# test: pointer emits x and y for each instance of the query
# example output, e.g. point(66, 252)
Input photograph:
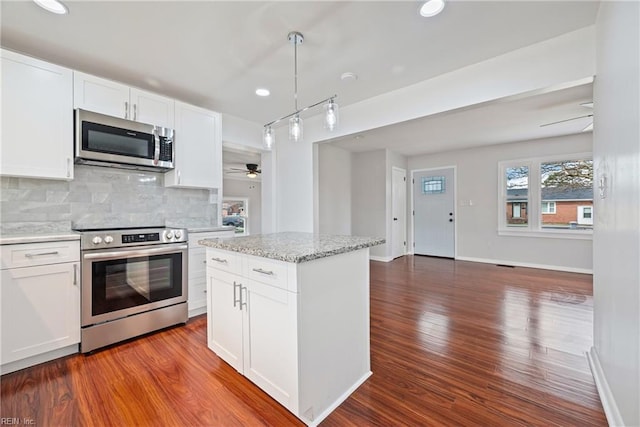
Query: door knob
point(450, 219)
point(450, 213)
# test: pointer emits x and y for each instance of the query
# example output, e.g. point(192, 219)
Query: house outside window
point(561, 202)
point(235, 212)
point(548, 207)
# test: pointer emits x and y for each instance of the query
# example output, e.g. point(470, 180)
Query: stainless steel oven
point(134, 281)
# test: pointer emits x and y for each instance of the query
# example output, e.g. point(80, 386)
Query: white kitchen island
point(290, 311)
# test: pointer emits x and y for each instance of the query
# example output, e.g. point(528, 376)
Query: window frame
point(549, 211)
point(245, 217)
point(533, 227)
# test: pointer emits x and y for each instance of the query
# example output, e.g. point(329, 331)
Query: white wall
point(295, 183)
point(251, 190)
point(616, 244)
point(334, 190)
point(477, 180)
point(238, 131)
point(369, 197)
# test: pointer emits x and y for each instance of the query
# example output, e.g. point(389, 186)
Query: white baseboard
point(197, 311)
point(526, 264)
point(380, 258)
point(38, 359)
point(606, 397)
point(338, 402)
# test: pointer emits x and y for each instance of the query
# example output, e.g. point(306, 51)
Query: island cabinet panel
point(304, 327)
point(270, 341)
point(224, 318)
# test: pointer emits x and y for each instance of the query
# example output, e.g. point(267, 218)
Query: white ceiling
point(216, 53)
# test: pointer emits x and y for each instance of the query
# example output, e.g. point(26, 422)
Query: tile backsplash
point(102, 197)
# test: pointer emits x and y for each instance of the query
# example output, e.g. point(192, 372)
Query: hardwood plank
point(452, 343)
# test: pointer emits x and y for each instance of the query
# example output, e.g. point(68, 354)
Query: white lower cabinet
point(40, 302)
point(300, 332)
point(197, 289)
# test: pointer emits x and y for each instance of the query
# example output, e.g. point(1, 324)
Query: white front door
point(399, 212)
point(434, 215)
point(585, 215)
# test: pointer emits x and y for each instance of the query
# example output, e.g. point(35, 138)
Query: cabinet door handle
point(179, 178)
point(156, 144)
point(261, 271)
point(41, 254)
point(126, 109)
point(135, 111)
point(75, 275)
point(220, 260)
point(245, 297)
point(237, 300)
point(68, 167)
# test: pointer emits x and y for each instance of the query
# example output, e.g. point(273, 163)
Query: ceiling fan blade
point(566, 120)
point(236, 169)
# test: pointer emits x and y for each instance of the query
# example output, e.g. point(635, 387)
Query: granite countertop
point(293, 246)
point(17, 238)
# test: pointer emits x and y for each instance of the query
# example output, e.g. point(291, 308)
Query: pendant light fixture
point(295, 122)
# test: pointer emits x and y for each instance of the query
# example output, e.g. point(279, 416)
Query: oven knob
point(108, 239)
point(96, 240)
point(178, 234)
point(169, 235)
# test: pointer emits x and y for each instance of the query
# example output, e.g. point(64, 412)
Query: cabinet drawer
point(271, 272)
point(224, 260)
point(33, 254)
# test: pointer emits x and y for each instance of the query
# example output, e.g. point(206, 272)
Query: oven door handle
point(134, 253)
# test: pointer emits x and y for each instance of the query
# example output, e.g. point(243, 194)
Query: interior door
point(399, 212)
point(434, 215)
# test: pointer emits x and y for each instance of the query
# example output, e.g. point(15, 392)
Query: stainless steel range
point(134, 281)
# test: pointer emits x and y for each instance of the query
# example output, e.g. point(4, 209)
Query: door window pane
point(517, 195)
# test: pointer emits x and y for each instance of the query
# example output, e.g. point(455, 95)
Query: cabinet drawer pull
point(41, 254)
point(261, 271)
point(75, 275)
point(220, 260)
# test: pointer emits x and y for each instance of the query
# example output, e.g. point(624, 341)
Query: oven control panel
point(103, 239)
point(140, 238)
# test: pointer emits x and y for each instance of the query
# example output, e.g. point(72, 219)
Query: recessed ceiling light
point(262, 92)
point(53, 6)
point(431, 8)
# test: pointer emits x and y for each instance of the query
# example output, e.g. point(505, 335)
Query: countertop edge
point(296, 259)
point(38, 238)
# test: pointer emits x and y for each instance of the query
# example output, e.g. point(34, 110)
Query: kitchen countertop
point(293, 246)
point(14, 239)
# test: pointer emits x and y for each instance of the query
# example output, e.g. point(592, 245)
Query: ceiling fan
point(586, 128)
point(251, 170)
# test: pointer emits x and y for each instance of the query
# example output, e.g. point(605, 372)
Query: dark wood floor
point(452, 343)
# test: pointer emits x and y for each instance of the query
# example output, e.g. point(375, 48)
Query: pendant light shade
point(295, 128)
point(330, 115)
point(295, 122)
point(268, 138)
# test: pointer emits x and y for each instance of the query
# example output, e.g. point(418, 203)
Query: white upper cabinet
point(198, 148)
point(37, 120)
point(116, 99)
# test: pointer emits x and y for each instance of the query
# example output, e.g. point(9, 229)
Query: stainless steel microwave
point(111, 141)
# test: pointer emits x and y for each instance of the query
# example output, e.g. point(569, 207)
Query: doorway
point(434, 212)
point(398, 212)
